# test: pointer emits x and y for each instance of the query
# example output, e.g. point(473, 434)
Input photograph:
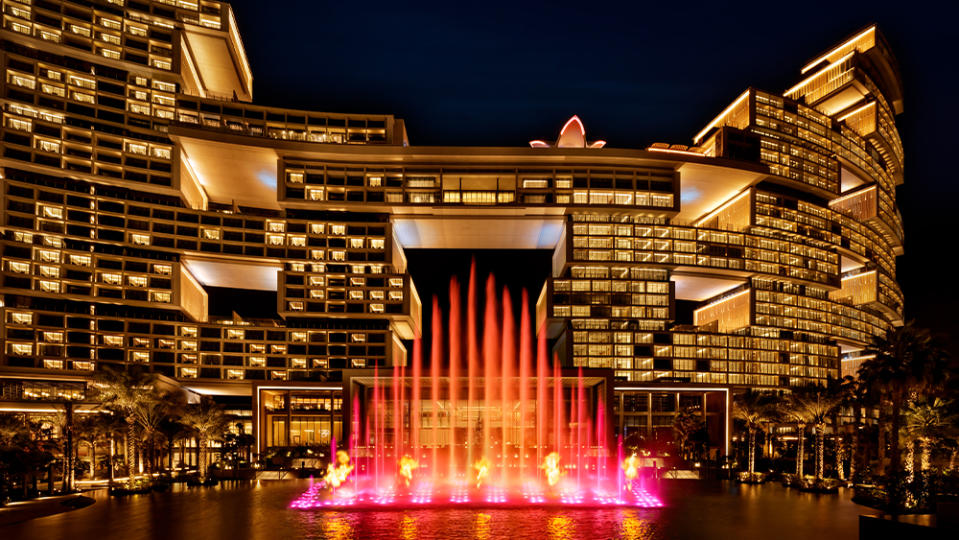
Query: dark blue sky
point(500, 74)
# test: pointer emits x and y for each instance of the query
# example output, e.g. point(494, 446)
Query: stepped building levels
point(138, 174)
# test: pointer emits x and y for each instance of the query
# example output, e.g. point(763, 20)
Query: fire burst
point(551, 466)
point(631, 469)
point(337, 471)
point(407, 466)
point(482, 470)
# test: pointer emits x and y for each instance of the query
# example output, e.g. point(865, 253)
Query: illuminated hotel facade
point(137, 172)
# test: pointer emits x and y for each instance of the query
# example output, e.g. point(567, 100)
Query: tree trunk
point(130, 450)
point(752, 451)
point(820, 449)
point(854, 449)
point(201, 458)
point(68, 451)
point(800, 451)
point(882, 439)
point(111, 459)
point(93, 459)
point(895, 452)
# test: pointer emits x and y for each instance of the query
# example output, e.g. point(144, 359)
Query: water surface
point(694, 510)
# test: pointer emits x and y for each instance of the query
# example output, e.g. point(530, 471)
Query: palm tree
point(124, 392)
point(815, 404)
point(151, 413)
point(855, 395)
point(927, 420)
point(755, 410)
point(793, 410)
point(209, 423)
point(906, 360)
point(686, 422)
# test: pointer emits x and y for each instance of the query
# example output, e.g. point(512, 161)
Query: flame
point(631, 467)
point(552, 468)
point(407, 466)
point(336, 474)
point(482, 471)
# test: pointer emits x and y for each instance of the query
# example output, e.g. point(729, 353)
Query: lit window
point(294, 177)
point(111, 279)
point(21, 349)
point(80, 260)
point(48, 145)
point(297, 241)
point(234, 374)
point(137, 281)
point(113, 341)
point(188, 372)
point(258, 361)
point(49, 286)
point(49, 271)
point(165, 270)
point(136, 148)
point(21, 80)
point(19, 123)
point(163, 297)
point(83, 365)
point(140, 356)
point(18, 267)
point(295, 306)
point(276, 226)
point(140, 239)
point(52, 364)
point(19, 317)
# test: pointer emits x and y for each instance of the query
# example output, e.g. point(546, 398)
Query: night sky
point(500, 74)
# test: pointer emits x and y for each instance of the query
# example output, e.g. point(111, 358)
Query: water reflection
point(561, 527)
point(408, 528)
point(239, 511)
point(338, 527)
point(634, 526)
point(482, 524)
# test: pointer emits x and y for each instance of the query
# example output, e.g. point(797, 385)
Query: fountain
point(511, 441)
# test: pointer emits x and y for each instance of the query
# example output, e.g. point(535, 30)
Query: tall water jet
point(490, 354)
point(557, 406)
point(580, 420)
point(377, 442)
point(455, 352)
point(525, 361)
point(416, 412)
point(507, 360)
point(542, 410)
point(436, 355)
point(473, 368)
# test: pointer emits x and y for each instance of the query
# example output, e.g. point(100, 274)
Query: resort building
point(139, 176)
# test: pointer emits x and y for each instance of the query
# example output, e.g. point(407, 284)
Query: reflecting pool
point(235, 511)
